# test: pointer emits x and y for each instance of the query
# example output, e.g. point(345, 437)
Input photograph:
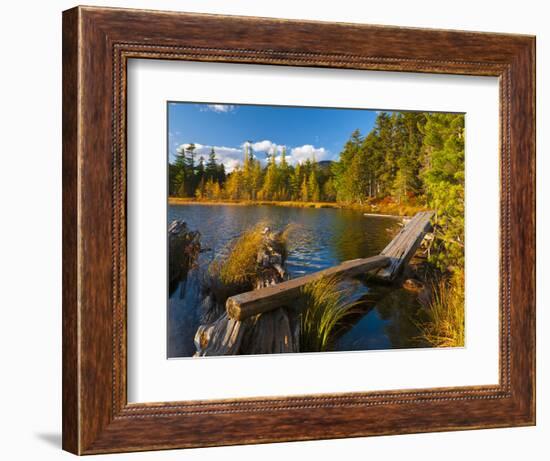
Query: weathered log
point(184, 246)
point(245, 305)
point(263, 334)
point(403, 246)
point(222, 337)
point(270, 333)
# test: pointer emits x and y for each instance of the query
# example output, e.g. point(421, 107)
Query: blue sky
point(304, 131)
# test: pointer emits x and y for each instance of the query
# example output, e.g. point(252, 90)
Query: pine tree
point(329, 191)
point(256, 176)
point(344, 169)
point(200, 172)
point(234, 184)
point(211, 169)
point(296, 182)
point(313, 191)
point(189, 161)
point(247, 172)
point(443, 177)
point(304, 192)
point(270, 185)
point(221, 174)
point(180, 173)
point(284, 177)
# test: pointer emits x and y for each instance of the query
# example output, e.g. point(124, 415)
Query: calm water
point(323, 237)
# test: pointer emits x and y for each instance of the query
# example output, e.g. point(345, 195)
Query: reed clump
point(324, 305)
point(445, 310)
point(240, 265)
point(242, 268)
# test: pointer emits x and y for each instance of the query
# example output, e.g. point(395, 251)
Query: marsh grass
point(324, 305)
point(445, 324)
point(238, 271)
point(379, 206)
point(240, 265)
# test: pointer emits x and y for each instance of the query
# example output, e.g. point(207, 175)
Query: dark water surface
point(323, 237)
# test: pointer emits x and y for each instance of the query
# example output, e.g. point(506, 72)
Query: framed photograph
point(282, 230)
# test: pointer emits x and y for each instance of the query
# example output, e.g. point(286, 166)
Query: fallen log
point(247, 304)
point(403, 246)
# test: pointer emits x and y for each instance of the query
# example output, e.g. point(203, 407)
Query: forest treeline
point(407, 158)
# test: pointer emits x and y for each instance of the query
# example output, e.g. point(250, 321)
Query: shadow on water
point(183, 316)
point(323, 238)
point(388, 320)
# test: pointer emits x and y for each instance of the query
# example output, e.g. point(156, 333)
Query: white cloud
point(307, 151)
point(232, 157)
point(219, 108)
point(265, 146)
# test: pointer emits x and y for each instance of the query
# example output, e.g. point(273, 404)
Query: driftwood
point(273, 332)
point(257, 321)
point(403, 246)
point(254, 302)
point(222, 337)
point(184, 246)
point(270, 333)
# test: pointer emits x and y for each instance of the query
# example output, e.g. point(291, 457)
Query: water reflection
point(322, 238)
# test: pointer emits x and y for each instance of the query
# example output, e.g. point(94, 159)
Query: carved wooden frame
point(97, 43)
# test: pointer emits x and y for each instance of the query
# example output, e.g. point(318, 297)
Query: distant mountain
point(325, 164)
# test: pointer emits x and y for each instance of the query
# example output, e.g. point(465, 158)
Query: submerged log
point(254, 302)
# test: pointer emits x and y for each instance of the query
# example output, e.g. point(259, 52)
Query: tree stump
point(184, 246)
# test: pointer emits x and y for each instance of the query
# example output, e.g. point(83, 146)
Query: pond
point(323, 237)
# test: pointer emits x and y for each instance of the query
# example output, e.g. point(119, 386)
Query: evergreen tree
point(295, 182)
point(271, 180)
point(212, 170)
point(221, 174)
point(180, 177)
point(200, 171)
point(234, 184)
point(313, 190)
point(284, 177)
point(343, 169)
point(443, 176)
point(329, 191)
point(189, 160)
point(256, 178)
point(304, 191)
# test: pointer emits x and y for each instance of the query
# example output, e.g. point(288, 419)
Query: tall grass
point(445, 327)
point(238, 271)
point(240, 265)
point(324, 306)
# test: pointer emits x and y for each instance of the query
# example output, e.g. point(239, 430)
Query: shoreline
point(378, 210)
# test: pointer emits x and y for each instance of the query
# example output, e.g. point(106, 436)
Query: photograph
point(313, 229)
point(277, 225)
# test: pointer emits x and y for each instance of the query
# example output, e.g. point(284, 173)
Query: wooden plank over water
point(403, 246)
point(254, 302)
